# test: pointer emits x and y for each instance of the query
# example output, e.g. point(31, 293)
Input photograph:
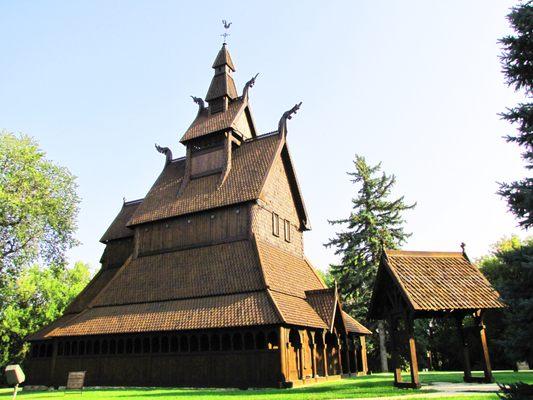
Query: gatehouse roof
point(434, 281)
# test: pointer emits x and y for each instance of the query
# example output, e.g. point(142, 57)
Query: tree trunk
point(382, 347)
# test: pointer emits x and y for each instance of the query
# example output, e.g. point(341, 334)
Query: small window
point(174, 344)
point(164, 344)
point(120, 346)
point(96, 347)
point(287, 230)
point(275, 224)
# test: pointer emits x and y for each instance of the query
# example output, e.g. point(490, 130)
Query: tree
point(38, 206)
point(375, 223)
point(517, 62)
point(36, 298)
point(509, 268)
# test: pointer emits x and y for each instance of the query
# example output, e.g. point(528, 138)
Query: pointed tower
point(224, 124)
point(222, 88)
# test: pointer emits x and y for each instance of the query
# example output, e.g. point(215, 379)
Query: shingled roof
point(251, 163)
point(242, 284)
point(436, 281)
point(118, 228)
point(206, 123)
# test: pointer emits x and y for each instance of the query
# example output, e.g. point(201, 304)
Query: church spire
point(222, 88)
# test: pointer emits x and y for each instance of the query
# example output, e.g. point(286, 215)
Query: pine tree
point(517, 62)
point(375, 223)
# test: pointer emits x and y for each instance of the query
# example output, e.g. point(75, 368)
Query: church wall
point(262, 223)
point(215, 226)
point(277, 198)
point(226, 358)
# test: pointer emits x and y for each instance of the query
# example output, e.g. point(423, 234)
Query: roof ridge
point(419, 253)
point(130, 202)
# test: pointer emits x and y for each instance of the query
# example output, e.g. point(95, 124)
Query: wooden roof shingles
point(204, 271)
point(250, 165)
point(118, 228)
point(354, 326)
point(206, 123)
point(433, 281)
point(241, 309)
point(324, 301)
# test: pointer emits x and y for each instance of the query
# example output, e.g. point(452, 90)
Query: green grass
point(378, 385)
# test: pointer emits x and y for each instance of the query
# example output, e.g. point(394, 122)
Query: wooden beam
point(466, 352)
point(324, 353)
point(312, 345)
point(364, 359)
point(283, 355)
point(413, 361)
point(487, 369)
point(394, 352)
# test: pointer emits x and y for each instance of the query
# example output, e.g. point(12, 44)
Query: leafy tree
point(38, 206)
point(375, 223)
point(510, 270)
point(36, 298)
point(517, 62)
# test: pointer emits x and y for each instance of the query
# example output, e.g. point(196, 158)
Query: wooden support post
point(300, 355)
point(413, 362)
point(467, 377)
point(487, 369)
point(324, 353)
point(364, 359)
point(346, 348)
point(283, 355)
point(394, 352)
point(356, 352)
point(312, 345)
point(339, 357)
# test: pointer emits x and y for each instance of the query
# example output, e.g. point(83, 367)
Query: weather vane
point(226, 27)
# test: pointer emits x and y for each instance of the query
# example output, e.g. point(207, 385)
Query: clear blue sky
point(414, 84)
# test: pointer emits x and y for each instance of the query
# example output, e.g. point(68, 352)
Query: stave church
point(204, 282)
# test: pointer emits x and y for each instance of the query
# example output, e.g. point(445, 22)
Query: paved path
point(444, 389)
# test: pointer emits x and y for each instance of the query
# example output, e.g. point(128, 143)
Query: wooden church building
point(204, 282)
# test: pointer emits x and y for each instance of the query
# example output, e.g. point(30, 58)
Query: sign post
point(14, 376)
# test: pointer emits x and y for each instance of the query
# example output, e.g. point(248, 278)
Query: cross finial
point(226, 27)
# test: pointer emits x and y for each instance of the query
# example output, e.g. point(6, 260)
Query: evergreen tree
point(375, 223)
point(517, 61)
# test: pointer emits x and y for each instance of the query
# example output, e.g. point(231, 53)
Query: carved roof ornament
point(282, 126)
point(200, 102)
point(247, 87)
point(166, 151)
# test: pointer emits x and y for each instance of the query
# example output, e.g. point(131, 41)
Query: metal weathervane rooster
point(226, 27)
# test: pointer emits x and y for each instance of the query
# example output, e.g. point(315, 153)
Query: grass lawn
point(378, 385)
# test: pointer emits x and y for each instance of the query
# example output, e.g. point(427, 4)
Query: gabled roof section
point(206, 123)
point(118, 228)
point(324, 301)
point(286, 273)
point(354, 326)
point(250, 164)
point(435, 281)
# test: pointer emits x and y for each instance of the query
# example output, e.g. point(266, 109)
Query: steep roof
point(436, 281)
point(118, 228)
point(251, 163)
point(223, 58)
point(229, 285)
point(324, 301)
point(206, 123)
point(354, 326)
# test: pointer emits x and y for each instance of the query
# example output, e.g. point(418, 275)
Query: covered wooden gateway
point(204, 282)
point(419, 284)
